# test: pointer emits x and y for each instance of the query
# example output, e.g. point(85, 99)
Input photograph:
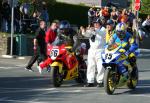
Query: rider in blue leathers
point(127, 41)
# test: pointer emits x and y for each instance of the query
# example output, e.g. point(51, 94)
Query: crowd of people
point(26, 16)
point(116, 15)
point(106, 14)
point(105, 26)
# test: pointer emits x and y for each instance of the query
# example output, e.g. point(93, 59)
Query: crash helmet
point(64, 24)
point(64, 27)
point(121, 30)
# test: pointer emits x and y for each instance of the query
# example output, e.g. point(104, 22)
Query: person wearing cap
point(109, 30)
point(97, 42)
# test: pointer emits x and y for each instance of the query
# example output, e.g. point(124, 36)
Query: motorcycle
point(65, 65)
point(112, 56)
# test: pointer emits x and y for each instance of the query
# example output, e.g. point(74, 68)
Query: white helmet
point(121, 30)
point(121, 27)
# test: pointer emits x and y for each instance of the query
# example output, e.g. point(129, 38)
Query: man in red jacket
point(52, 32)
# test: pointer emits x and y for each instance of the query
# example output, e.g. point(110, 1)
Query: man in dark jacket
point(39, 46)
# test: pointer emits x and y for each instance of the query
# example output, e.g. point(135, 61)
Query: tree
point(51, 2)
point(145, 7)
point(37, 5)
point(38, 2)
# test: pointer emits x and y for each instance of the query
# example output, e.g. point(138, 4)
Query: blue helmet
point(64, 24)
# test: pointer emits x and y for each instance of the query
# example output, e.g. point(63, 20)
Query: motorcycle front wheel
point(56, 77)
point(109, 83)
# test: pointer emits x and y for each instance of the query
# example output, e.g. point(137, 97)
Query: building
point(121, 3)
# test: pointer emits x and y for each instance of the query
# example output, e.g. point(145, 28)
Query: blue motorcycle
point(112, 56)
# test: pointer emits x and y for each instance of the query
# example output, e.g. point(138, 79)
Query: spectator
point(103, 20)
point(109, 29)
point(25, 9)
point(131, 16)
point(34, 22)
point(114, 16)
point(44, 13)
point(17, 16)
point(25, 22)
point(105, 13)
point(129, 27)
point(97, 13)
point(123, 17)
point(91, 15)
point(6, 16)
point(39, 46)
point(146, 24)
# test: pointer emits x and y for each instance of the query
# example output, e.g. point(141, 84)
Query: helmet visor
point(121, 34)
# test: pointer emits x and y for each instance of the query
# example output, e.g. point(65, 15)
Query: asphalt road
point(20, 86)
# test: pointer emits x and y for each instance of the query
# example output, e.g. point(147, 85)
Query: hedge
point(76, 14)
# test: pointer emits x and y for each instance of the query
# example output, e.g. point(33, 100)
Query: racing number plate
point(54, 53)
point(108, 56)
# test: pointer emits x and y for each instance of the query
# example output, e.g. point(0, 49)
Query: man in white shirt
point(146, 24)
point(97, 43)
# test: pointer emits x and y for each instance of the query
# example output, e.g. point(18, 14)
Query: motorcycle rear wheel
point(82, 73)
point(81, 78)
point(109, 84)
point(133, 81)
point(56, 77)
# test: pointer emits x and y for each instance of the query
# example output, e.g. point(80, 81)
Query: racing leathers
point(71, 40)
point(130, 45)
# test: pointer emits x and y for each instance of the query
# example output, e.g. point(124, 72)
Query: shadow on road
point(143, 88)
point(24, 82)
point(144, 55)
point(146, 70)
point(19, 89)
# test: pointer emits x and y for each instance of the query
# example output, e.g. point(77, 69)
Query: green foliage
point(3, 34)
point(145, 7)
point(51, 2)
point(76, 14)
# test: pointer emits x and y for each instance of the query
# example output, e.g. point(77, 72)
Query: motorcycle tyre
point(130, 83)
point(107, 88)
point(56, 77)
